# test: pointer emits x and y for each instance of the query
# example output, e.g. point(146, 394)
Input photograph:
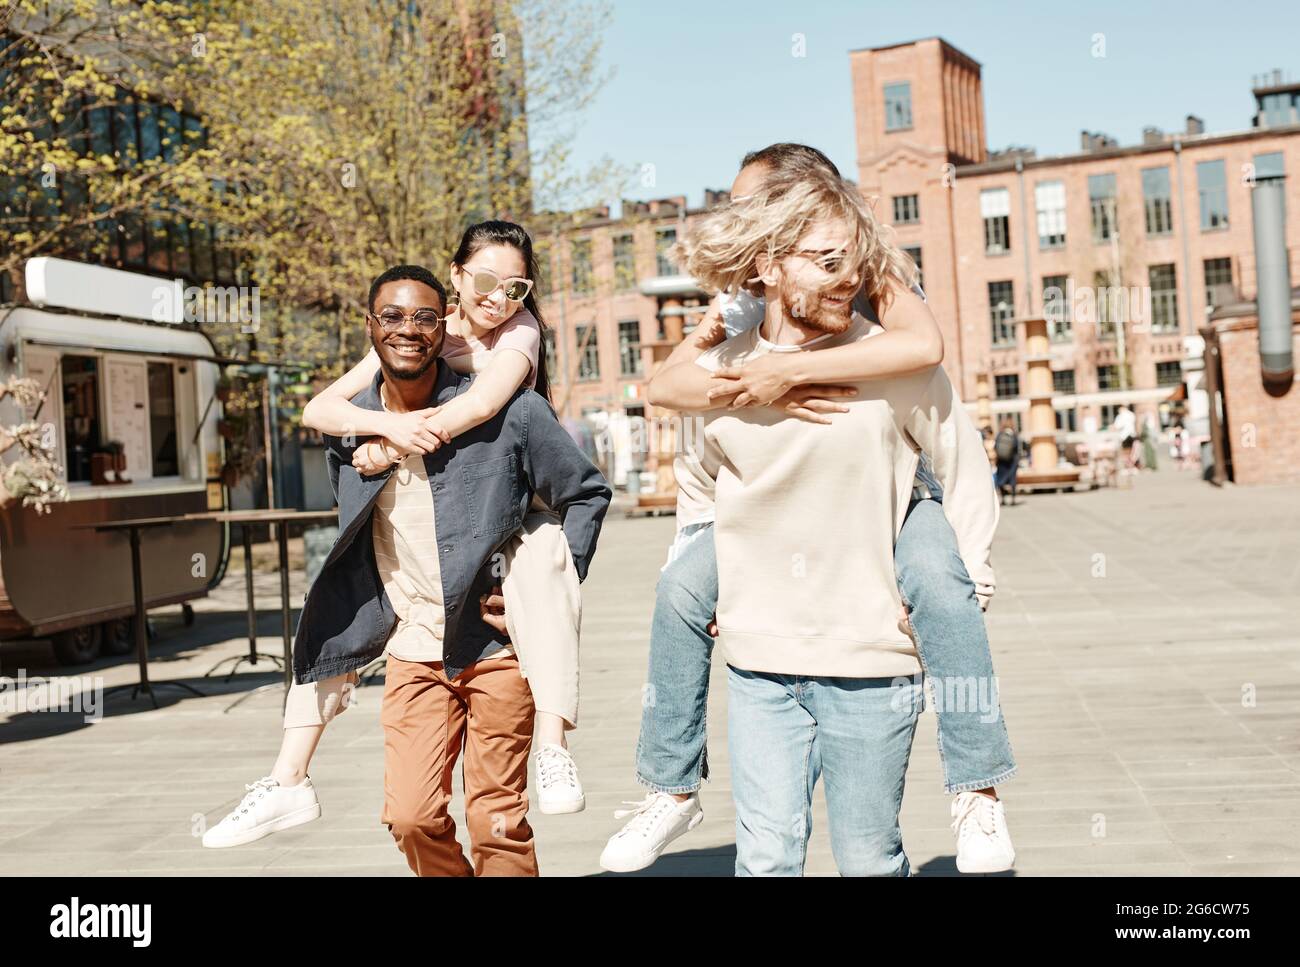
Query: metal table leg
point(144, 686)
point(252, 655)
point(282, 533)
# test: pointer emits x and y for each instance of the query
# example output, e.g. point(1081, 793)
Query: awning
point(166, 354)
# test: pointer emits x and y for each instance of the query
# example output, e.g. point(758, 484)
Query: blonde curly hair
point(721, 249)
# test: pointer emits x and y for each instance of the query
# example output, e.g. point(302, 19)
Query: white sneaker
point(267, 808)
point(559, 790)
point(656, 821)
point(983, 841)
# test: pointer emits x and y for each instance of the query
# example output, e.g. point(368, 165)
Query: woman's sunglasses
point(486, 282)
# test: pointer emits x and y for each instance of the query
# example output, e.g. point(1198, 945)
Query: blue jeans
point(948, 626)
point(954, 649)
point(671, 752)
point(784, 733)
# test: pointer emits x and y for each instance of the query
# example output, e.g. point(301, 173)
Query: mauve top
point(520, 332)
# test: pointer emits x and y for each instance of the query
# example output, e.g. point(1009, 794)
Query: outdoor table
point(133, 527)
point(281, 518)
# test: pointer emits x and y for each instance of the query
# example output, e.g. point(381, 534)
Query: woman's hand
point(759, 382)
point(413, 432)
point(374, 457)
point(812, 402)
point(492, 609)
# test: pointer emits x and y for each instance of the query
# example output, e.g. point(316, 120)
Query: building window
point(1218, 282)
point(1213, 187)
point(1156, 201)
point(580, 266)
point(1002, 313)
point(1006, 385)
point(995, 209)
point(1101, 198)
point(1279, 108)
point(913, 252)
point(1271, 165)
point(1169, 373)
point(665, 238)
point(1108, 311)
point(1067, 420)
point(162, 419)
point(1108, 412)
point(629, 348)
point(1063, 381)
point(588, 352)
point(1056, 308)
point(1107, 378)
point(81, 416)
point(624, 263)
point(898, 106)
point(1049, 199)
point(907, 209)
point(1164, 298)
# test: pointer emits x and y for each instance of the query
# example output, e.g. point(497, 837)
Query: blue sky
point(698, 83)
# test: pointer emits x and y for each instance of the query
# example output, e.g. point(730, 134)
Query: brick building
point(1140, 242)
point(1133, 245)
point(611, 293)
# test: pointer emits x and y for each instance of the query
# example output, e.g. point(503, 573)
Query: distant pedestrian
point(1125, 426)
point(1149, 443)
point(1006, 449)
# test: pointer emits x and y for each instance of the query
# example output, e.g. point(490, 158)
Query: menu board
point(127, 397)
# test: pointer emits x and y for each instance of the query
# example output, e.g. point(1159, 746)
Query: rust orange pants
point(429, 720)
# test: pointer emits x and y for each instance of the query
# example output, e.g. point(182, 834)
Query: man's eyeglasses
point(426, 320)
point(828, 260)
point(486, 282)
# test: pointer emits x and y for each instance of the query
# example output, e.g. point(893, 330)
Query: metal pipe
point(1273, 286)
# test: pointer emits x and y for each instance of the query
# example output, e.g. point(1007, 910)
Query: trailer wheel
point(119, 636)
point(76, 646)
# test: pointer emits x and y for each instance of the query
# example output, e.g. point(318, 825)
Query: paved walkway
point(1147, 642)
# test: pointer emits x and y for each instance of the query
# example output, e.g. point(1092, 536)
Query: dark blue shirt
point(482, 483)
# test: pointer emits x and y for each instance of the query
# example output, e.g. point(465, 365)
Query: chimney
point(1152, 135)
point(1194, 125)
point(1273, 285)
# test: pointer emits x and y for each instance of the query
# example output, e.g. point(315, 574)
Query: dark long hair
point(496, 232)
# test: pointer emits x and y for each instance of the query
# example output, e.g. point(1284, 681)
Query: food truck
point(130, 401)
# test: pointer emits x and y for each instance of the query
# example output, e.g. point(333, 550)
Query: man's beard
point(806, 306)
point(406, 374)
point(411, 374)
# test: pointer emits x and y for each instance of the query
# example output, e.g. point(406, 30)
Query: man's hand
point(813, 401)
point(713, 627)
point(414, 433)
point(492, 608)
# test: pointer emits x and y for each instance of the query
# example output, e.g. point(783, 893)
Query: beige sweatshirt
point(806, 515)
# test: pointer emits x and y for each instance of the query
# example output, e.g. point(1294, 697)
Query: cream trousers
point(543, 618)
